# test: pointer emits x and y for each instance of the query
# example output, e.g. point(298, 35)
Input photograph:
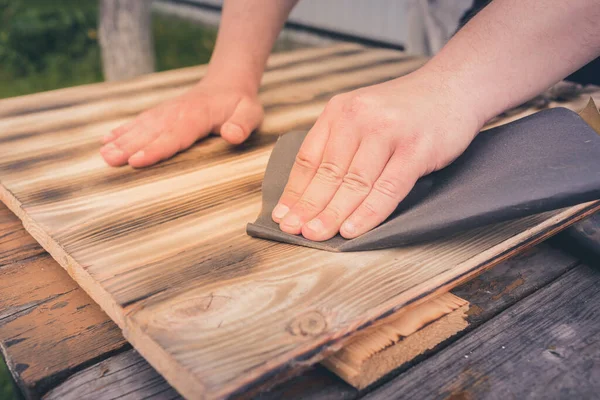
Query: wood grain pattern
point(547, 346)
point(370, 355)
point(164, 252)
point(128, 376)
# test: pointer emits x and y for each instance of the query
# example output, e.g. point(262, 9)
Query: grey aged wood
point(546, 346)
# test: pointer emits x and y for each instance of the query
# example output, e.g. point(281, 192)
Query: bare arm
point(515, 49)
point(369, 146)
point(225, 101)
point(247, 33)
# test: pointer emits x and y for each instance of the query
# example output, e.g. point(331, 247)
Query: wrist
point(234, 73)
point(460, 90)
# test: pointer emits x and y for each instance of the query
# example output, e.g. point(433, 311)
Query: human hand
point(173, 126)
point(367, 150)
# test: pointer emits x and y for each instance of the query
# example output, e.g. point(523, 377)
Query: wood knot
point(312, 323)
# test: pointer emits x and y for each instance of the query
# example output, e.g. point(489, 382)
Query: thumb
point(246, 117)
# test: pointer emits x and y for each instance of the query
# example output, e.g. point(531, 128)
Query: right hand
point(175, 125)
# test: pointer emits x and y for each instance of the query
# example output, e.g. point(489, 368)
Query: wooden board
point(547, 346)
point(164, 252)
point(379, 350)
point(128, 376)
point(50, 329)
point(24, 265)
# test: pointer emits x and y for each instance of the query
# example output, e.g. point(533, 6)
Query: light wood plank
point(490, 293)
point(184, 76)
point(379, 350)
point(164, 252)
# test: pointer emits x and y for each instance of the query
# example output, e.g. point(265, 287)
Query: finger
point(161, 148)
point(339, 152)
point(304, 169)
point(121, 149)
point(245, 118)
point(118, 131)
point(395, 182)
point(366, 167)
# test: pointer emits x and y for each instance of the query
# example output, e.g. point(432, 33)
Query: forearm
point(514, 49)
point(246, 35)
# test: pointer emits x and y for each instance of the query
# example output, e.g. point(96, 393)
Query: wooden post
point(126, 38)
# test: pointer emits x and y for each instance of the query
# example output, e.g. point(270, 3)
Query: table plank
point(546, 346)
point(194, 301)
point(49, 327)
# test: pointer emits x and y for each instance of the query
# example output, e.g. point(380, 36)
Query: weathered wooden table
point(534, 331)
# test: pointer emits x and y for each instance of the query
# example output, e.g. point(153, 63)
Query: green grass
point(178, 43)
point(6, 385)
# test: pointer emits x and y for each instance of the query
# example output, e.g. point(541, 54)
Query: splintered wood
point(163, 250)
point(370, 355)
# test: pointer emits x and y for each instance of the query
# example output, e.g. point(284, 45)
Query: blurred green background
point(50, 44)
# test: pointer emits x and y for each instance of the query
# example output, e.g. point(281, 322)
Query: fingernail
point(292, 221)
point(112, 150)
point(233, 131)
point(349, 227)
point(315, 225)
point(280, 211)
point(137, 155)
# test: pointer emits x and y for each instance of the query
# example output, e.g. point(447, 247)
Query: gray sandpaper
point(545, 161)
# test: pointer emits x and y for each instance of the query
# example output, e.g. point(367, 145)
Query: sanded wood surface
point(128, 376)
point(370, 355)
point(546, 347)
point(164, 252)
point(50, 329)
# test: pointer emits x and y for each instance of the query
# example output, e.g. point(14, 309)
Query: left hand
point(367, 150)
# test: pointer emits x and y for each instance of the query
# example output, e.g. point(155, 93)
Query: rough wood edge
point(379, 350)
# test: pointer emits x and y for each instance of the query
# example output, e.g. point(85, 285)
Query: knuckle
point(335, 102)
point(389, 188)
point(329, 172)
point(368, 210)
point(307, 204)
point(332, 212)
point(356, 104)
point(304, 161)
point(291, 194)
point(357, 182)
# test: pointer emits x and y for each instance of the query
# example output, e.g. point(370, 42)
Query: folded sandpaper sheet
point(545, 161)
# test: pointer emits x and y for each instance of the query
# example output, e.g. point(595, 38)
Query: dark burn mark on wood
point(145, 217)
point(40, 161)
point(154, 88)
point(108, 179)
point(13, 342)
point(326, 95)
point(59, 305)
point(5, 139)
point(21, 367)
point(343, 70)
point(230, 263)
